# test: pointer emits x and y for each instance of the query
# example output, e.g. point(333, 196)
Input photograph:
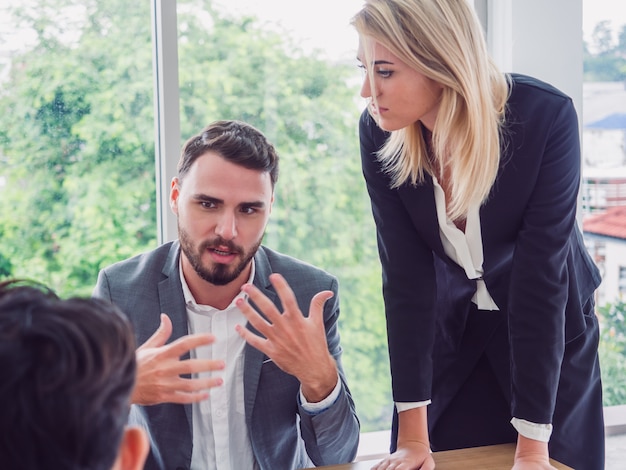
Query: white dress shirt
point(219, 423)
point(220, 434)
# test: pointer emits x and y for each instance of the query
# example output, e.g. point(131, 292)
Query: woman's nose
point(366, 90)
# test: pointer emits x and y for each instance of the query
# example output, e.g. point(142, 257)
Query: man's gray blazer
point(283, 435)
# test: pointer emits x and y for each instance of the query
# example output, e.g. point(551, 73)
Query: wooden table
point(498, 457)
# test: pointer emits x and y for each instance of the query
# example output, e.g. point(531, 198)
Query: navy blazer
point(536, 267)
point(283, 435)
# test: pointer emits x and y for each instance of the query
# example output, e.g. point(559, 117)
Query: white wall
point(539, 38)
point(547, 43)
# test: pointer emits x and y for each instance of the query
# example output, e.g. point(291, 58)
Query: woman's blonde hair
point(443, 40)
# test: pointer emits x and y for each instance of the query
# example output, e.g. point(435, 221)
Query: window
point(604, 186)
point(76, 139)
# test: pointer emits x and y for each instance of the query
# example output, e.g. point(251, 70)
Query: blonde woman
point(473, 177)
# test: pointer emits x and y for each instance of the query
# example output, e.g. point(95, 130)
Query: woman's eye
point(384, 73)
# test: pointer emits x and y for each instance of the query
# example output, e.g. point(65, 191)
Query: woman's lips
point(377, 109)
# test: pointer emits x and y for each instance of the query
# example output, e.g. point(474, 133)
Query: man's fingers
point(197, 385)
point(185, 344)
point(263, 303)
point(161, 335)
point(252, 339)
point(167, 385)
point(267, 306)
point(197, 366)
point(256, 320)
point(181, 398)
point(182, 392)
point(194, 390)
point(316, 308)
point(285, 293)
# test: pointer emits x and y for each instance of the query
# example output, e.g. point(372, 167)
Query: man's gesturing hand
point(296, 344)
point(159, 368)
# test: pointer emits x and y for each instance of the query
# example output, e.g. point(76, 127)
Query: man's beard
point(219, 274)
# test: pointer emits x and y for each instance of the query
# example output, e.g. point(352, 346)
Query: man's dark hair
point(235, 141)
point(67, 370)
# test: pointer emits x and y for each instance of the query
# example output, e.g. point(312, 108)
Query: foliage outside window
point(604, 58)
point(76, 142)
point(77, 149)
point(613, 352)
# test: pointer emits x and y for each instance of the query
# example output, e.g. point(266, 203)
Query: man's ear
point(174, 193)
point(133, 449)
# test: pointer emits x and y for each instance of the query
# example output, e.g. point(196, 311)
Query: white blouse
point(465, 248)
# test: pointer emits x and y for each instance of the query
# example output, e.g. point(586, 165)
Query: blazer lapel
point(171, 294)
point(253, 357)
point(172, 303)
point(419, 202)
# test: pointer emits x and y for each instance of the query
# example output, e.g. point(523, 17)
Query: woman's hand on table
point(409, 456)
point(531, 454)
point(532, 464)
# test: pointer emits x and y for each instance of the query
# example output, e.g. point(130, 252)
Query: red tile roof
point(611, 223)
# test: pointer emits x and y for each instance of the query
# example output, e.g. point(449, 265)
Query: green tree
point(76, 132)
point(603, 59)
point(602, 37)
point(613, 352)
point(621, 42)
point(76, 127)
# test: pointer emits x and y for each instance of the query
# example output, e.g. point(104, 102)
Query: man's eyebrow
point(215, 200)
point(257, 204)
point(207, 198)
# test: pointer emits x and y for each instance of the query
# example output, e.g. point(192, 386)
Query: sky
point(326, 23)
point(319, 24)
point(595, 11)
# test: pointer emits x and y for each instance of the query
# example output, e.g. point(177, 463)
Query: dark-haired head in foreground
point(67, 370)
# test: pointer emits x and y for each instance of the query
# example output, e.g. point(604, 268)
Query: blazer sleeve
point(539, 284)
point(102, 290)
point(332, 435)
point(408, 272)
